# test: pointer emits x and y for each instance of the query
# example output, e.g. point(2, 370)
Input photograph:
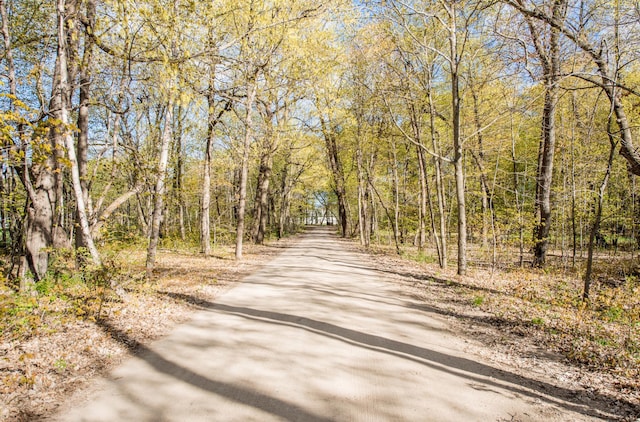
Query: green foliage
point(478, 301)
point(65, 292)
point(614, 313)
point(60, 365)
point(422, 257)
point(538, 321)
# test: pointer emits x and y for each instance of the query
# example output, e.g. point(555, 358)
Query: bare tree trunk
point(63, 115)
point(4, 194)
point(261, 205)
point(178, 194)
point(574, 229)
point(244, 171)
point(83, 122)
point(516, 192)
point(598, 213)
point(422, 176)
point(396, 191)
point(437, 164)
point(457, 144)
point(480, 162)
point(550, 59)
point(262, 195)
point(205, 215)
point(284, 198)
point(424, 197)
point(42, 192)
point(363, 213)
point(386, 211)
point(4, 187)
point(102, 217)
point(338, 177)
point(158, 204)
point(545, 175)
point(205, 210)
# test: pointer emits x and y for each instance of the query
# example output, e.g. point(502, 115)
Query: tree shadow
point(245, 396)
point(458, 366)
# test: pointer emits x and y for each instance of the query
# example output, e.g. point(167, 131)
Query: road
point(317, 335)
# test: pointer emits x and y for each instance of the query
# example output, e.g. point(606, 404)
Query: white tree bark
point(244, 173)
point(63, 86)
point(156, 219)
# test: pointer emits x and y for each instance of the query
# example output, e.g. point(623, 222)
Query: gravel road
point(316, 335)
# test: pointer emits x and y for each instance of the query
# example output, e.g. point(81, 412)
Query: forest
point(495, 136)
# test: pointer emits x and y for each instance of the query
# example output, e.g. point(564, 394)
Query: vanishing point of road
point(316, 335)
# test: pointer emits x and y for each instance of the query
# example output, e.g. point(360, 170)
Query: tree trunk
point(422, 176)
point(486, 201)
point(516, 192)
point(424, 197)
point(205, 214)
point(262, 195)
point(83, 123)
point(178, 193)
point(63, 115)
point(396, 191)
point(547, 152)
point(284, 198)
point(158, 204)
point(550, 59)
point(102, 217)
point(212, 122)
point(44, 191)
point(261, 203)
point(39, 220)
point(41, 194)
point(363, 212)
point(545, 174)
point(338, 177)
point(437, 164)
point(457, 145)
point(244, 171)
point(595, 228)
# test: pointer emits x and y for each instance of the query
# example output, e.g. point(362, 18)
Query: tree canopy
point(507, 128)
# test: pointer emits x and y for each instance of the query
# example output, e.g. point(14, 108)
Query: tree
point(549, 56)
point(457, 23)
point(62, 92)
point(593, 45)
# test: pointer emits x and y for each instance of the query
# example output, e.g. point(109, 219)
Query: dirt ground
point(40, 374)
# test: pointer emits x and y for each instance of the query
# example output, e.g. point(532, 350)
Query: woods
point(238, 90)
point(496, 135)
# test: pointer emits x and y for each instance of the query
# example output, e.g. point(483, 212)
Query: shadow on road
point(478, 373)
point(242, 395)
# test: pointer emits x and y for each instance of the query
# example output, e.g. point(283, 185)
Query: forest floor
point(55, 344)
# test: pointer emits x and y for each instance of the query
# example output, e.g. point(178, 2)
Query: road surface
point(316, 335)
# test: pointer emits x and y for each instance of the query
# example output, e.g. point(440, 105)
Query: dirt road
point(317, 335)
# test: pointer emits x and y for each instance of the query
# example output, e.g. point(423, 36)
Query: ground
point(55, 365)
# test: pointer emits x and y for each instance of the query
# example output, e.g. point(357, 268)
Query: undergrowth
point(64, 295)
point(601, 333)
